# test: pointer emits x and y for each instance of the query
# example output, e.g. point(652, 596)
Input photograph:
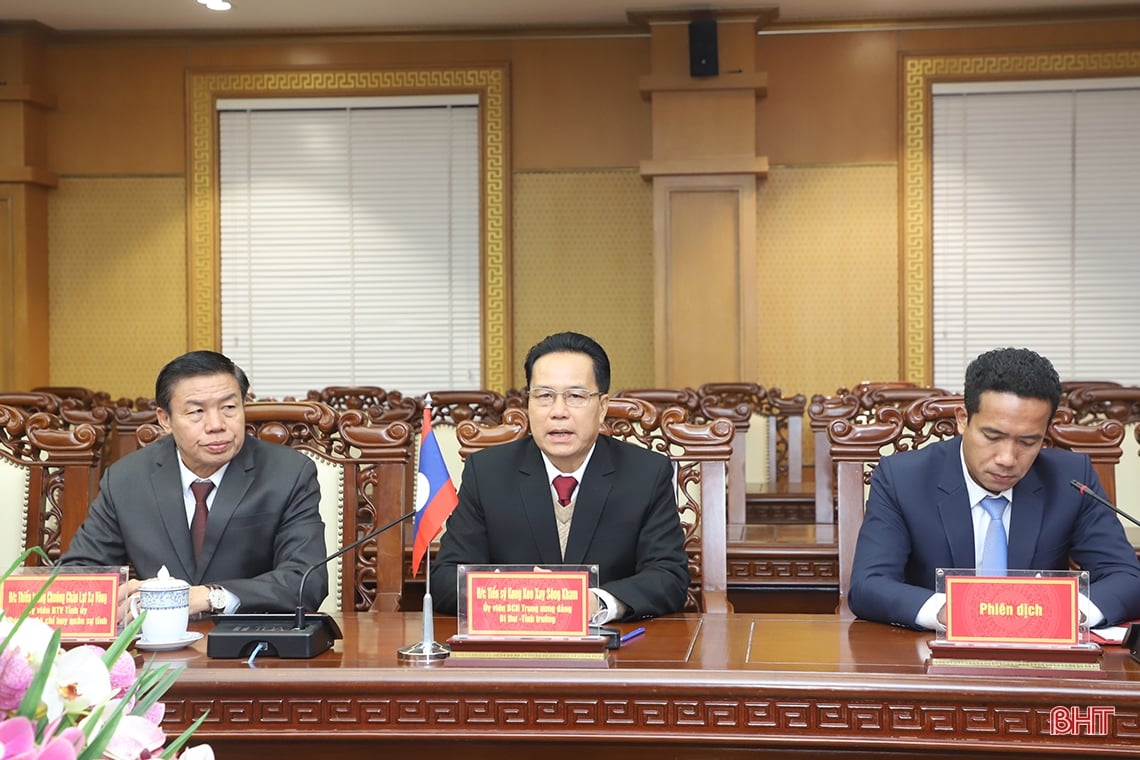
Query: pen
point(632, 635)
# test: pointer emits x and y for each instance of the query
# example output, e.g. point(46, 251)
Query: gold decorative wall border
point(918, 74)
point(203, 88)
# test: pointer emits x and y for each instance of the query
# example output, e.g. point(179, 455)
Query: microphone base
point(423, 652)
point(236, 636)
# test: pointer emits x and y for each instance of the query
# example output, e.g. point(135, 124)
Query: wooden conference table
point(693, 686)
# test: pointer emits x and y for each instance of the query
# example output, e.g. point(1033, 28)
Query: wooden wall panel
point(577, 104)
point(120, 110)
point(832, 98)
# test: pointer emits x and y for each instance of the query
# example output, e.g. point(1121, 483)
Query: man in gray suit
point(236, 517)
point(565, 495)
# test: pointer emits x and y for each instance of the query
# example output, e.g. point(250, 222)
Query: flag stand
point(427, 651)
point(435, 499)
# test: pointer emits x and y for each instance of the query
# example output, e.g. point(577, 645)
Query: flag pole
point(427, 651)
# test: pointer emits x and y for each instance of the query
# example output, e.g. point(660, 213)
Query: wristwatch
point(217, 599)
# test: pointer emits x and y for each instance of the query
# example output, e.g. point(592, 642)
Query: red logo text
point(1072, 721)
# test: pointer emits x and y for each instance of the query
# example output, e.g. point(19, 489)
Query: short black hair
point(575, 343)
point(195, 364)
point(1012, 370)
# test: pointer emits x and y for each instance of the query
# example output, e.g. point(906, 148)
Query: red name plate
point(1020, 610)
point(527, 603)
point(82, 606)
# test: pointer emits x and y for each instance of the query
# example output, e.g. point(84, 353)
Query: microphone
point(300, 635)
point(334, 555)
point(1087, 491)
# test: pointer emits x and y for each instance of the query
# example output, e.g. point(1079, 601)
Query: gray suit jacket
point(264, 528)
point(625, 521)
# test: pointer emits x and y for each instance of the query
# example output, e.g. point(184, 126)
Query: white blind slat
point(350, 246)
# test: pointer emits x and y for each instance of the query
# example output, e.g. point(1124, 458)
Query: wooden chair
point(780, 421)
point(856, 448)
point(856, 405)
point(48, 474)
point(362, 469)
point(1108, 401)
point(700, 454)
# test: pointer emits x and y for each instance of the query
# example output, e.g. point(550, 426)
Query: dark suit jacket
point(264, 527)
point(625, 521)
point(918, 519)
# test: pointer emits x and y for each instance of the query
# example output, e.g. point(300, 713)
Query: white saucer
point(167, 646)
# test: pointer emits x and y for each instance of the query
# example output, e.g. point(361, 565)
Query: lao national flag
point(435, 493)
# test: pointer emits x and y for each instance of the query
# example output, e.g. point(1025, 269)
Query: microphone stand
point(428, 650)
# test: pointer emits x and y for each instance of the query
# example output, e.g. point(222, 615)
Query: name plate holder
point(82, 602)
point(1023, 623)
point(522, 615)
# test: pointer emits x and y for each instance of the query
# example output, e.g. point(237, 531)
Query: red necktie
point(564, 486)
point(201, 489)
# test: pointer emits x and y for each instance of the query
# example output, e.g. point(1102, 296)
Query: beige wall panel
point(1044, 37)
point(692, 124)
point(827, 245)
point(577, 103)
point(702, 278)
point(670, 50)
point(583, 257)
point(118, 281)
point(120, 110)
point(328, 52)
point(832, 98)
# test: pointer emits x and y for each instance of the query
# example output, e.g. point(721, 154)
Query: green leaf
point(33, 696)
point(184, 737)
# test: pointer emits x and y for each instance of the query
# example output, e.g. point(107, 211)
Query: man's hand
point(942, 616)
point(199, 599)
point(126, 591)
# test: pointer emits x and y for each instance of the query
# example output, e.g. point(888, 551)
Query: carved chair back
point(48, 475)
point(362, 469)
point(858, 405)
point(700, 454)
point(768, 445)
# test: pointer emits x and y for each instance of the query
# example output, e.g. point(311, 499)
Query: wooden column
point(24, 185)
point(704, 170)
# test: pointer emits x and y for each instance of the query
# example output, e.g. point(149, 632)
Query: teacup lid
point(163, 582)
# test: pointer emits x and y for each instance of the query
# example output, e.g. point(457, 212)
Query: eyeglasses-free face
point(565, 407)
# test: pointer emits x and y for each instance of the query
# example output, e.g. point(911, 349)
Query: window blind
point(350, 244)
point(1035, 201)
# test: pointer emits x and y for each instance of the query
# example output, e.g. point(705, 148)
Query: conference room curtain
point(1036, 218)
point(350, 242)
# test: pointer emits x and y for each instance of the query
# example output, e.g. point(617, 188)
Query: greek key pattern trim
point(919, 72)
point(490, 83)
point(747, 720)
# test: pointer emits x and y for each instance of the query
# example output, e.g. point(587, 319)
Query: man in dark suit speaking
point(992, 498)
point(236, 517)
point(565, 495)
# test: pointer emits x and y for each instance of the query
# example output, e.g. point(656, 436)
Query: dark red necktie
point(201, 489)
point(564, 486)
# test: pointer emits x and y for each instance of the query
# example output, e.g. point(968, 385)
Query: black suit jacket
point(625, 521)
point(264, 527)
point(918, 519)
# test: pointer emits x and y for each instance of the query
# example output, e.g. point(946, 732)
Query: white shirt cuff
point(609, 607)
point(1093, 616)
point(927, 616)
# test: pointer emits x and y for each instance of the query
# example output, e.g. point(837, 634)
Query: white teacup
point(166, 601)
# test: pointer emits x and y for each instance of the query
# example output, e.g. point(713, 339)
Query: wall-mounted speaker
point(702, 48)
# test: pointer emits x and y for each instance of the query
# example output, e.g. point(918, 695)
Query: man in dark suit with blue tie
point(991, 498)
point(236, 517)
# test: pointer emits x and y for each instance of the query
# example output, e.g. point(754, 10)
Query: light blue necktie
point(994, 560)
